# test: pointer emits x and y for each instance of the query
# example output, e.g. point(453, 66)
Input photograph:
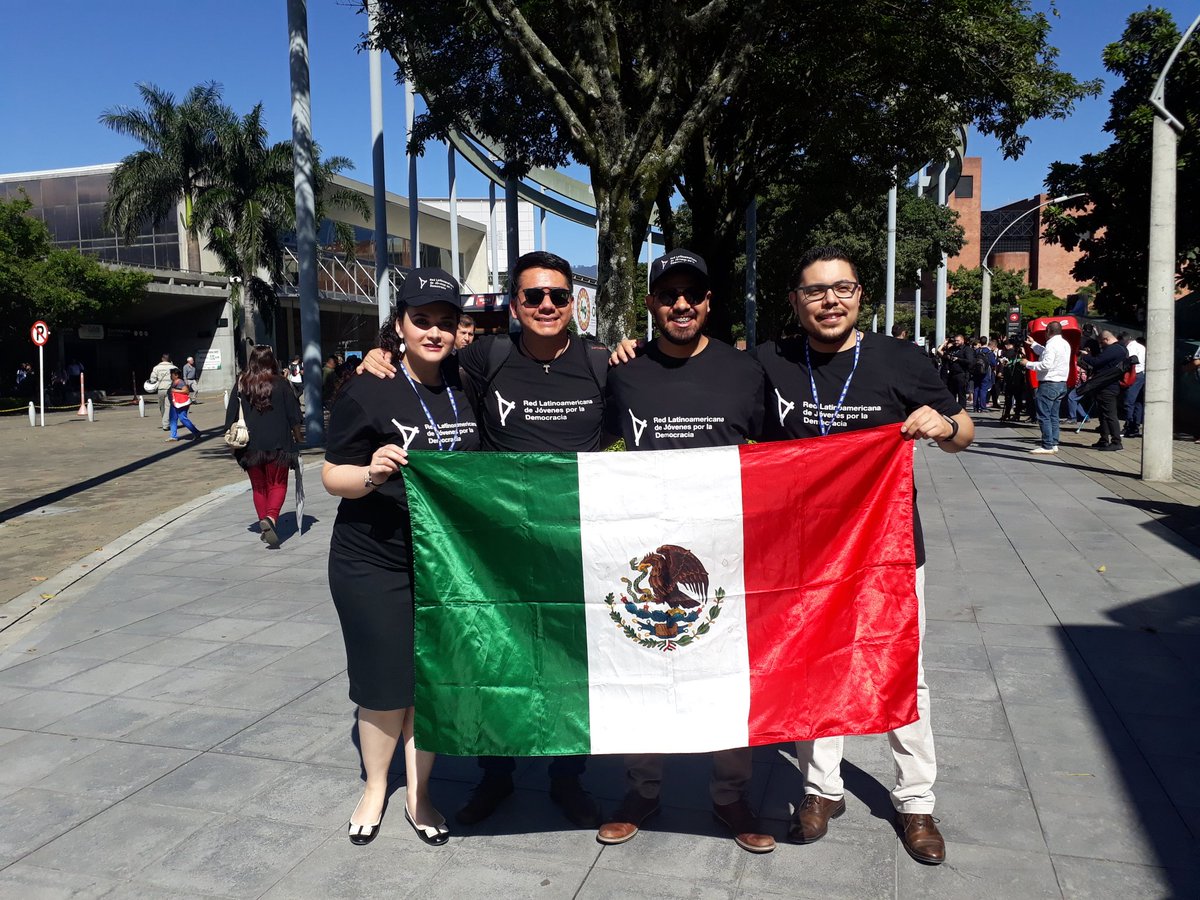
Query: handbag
point(238, 435)
point(180, 399)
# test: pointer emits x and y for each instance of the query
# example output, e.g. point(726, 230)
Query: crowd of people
point(1107, 383)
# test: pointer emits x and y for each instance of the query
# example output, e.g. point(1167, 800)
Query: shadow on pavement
point(61, 494)
point(1141, 679)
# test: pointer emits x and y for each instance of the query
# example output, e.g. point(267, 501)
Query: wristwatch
point(953, 423)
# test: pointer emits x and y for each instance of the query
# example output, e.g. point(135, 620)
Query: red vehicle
point(1071, 332)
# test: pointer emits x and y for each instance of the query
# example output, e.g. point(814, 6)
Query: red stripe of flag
point(831, 606)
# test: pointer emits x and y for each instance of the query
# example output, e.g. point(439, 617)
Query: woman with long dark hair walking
point(272, 416)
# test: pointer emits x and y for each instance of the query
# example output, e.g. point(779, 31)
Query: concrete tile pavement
point(179, 727)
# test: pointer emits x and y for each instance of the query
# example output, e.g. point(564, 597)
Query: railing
point(352, 280)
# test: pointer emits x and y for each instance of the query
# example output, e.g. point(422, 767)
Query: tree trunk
point(616, 272)
point(193, 240)
point(249, 325)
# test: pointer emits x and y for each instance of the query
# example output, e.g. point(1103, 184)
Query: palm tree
point(178, 159)
point(248, 205)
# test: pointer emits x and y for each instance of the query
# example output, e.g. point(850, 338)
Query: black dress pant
point(1110, 425)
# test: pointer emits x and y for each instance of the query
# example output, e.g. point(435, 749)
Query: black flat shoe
point(434, 835)
point(361, 835)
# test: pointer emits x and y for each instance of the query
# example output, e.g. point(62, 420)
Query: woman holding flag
point(373, 424)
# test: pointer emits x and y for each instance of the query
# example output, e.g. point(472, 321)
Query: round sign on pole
point(40, 332)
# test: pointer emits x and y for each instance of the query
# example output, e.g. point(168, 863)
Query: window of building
point(965, 189)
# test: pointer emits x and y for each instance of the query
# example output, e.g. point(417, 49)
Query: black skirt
point(375, 606)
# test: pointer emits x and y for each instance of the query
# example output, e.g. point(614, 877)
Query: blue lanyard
point(428, 416)
point(825, 429)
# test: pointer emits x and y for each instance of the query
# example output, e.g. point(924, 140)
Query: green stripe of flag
point(497, 629)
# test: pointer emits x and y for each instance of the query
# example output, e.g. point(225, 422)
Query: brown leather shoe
point(811, 819)
point(747, 833)
point(920, 836)
point(633, 811)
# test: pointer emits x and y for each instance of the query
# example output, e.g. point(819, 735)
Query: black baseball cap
point(678, 260)
point(429, 285)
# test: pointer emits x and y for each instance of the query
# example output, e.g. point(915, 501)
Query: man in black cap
point(685, 389)
point(538, 389)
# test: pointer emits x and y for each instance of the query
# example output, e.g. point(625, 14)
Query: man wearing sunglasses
point(539, 389)
point(683, 390)
point(835, 378)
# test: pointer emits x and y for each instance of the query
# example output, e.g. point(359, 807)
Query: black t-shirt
point(893, 378)
point(371, 412)
point(713, 399)
point(525, 406)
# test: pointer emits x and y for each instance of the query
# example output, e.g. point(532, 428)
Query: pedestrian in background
point(192, 376)
point(272, 416)
point(160, 378)
point(179, 399)
point(1135, 406)
point(1104, 384)
point(1053, 368)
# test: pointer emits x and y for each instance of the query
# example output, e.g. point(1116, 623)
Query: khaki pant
point(912, 747)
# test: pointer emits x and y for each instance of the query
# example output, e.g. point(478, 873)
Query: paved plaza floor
point(175, 724)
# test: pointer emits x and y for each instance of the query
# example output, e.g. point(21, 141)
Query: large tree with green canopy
point(1111, 225)
point(721, 101)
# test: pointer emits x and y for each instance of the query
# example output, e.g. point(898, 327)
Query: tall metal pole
point(752, 275)
point(985, 305)
point(1157, 451)
point(939, 309)
point(917, 310)
point(493, 248)
point(306, 221)
point(649, 262)
point(456, 269)
point(414, 234)
point(889, 310)
point(512, 224)
point(542, 214)
point(383, 275)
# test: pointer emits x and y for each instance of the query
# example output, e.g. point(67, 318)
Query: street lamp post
point(1157, 455)
point(985, 307)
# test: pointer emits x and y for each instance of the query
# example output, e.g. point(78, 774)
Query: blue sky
point(66, 63)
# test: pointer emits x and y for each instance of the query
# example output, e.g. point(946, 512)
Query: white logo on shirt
point(505, 407)
point(784, 406)
point(407, 432)
point(639, 425)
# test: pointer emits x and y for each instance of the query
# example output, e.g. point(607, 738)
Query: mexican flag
point(672, 601)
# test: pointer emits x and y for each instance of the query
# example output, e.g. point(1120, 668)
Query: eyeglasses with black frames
point(531, 297)
point(843, 290)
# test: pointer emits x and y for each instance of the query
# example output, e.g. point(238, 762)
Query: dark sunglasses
point(531, 297)
point(668, 297)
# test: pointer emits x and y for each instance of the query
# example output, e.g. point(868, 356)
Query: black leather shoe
point(1099, 445)
point(1116, 446)
point(361, 835)
point(576, 803)
point(486, 796)
point(434, 835)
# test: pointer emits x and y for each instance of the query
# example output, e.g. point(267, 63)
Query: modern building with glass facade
point(188, 313)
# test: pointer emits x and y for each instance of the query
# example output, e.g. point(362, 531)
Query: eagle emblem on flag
point(666, 605)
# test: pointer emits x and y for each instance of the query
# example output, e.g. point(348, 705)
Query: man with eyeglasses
point(835, 378)
point(685, 390)
point(539, 389)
